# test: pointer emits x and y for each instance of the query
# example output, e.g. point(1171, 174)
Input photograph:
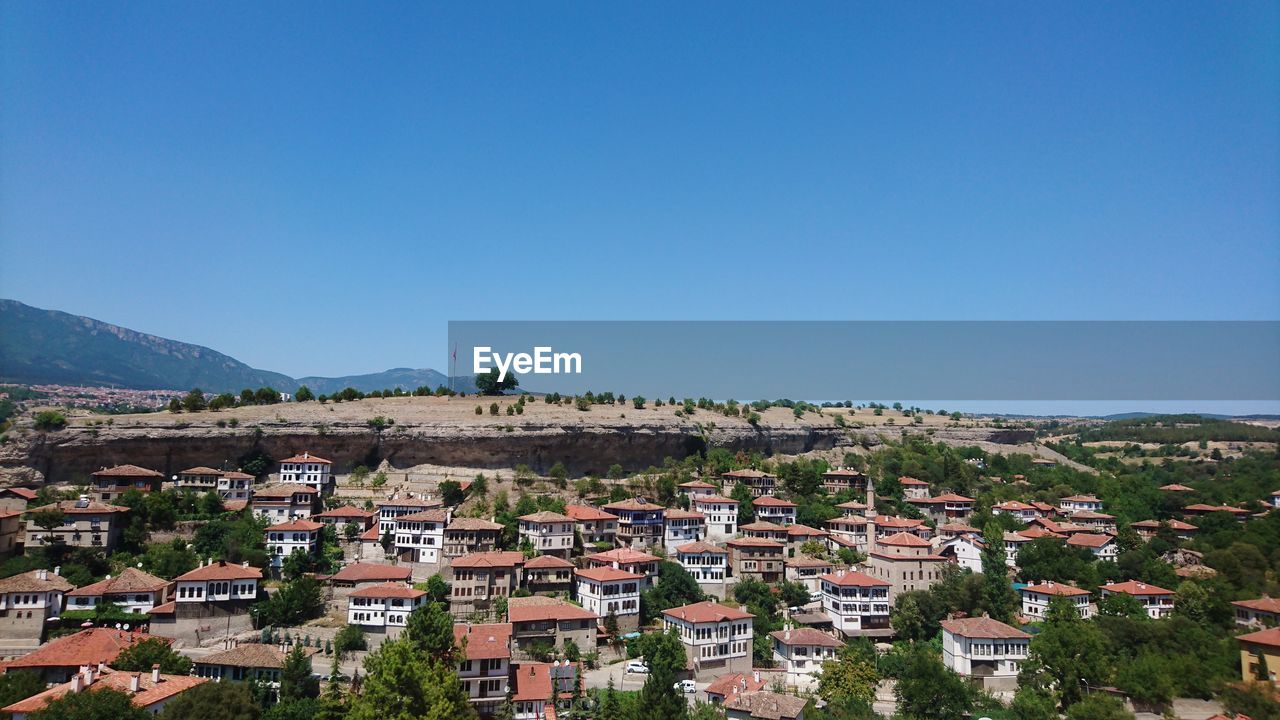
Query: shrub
point(50, 420)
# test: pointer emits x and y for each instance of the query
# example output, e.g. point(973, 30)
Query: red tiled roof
point(201, 470)
point(958, 528)
point(623, 556)
point(679, 514)
point(437, 515)
point(32, 582)
point(714, 500)
point(26, 493)
point(132, 471)
point(982, 627)
point(852, 505)
point(805, 561)
point(493, 558)
point(166, 609)
point(470, 524)
point(73, 507)
point(1013, 505)
point(1133, 587)
point(149, 692)
point(699, 546)
point(546, 562)
point(633, 504)
point(1089, 540)
point(744, 682)
point(1269, 637)
point(762, 526)
point(236, 475)
point(305, 458)
point(300, 525)
point(854, 578)
point(908, 480)
point(373, 534)
point(753, 542)
point(221, 570)
point(1173, 525)
point(87, 647)
point(345, 511)
point(587, 513)
point(1055, 588)
point(767, 705)
point(1262, 604)
point(539, 608)
point(606, 574)
point(804, 531)
point(952, 498)
point(371, 572)
point(903, 539)
point(287, 490)
point(533, 682)
point(1080, 498)
point(491, 641)
point(388, 590)
point(129, 580)
point(697, 484)
point(546, 516)
point(805, 636)
point(1176, 487)
point(771, 501)
point(706, 611)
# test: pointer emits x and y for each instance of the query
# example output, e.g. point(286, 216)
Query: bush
point(49, 420)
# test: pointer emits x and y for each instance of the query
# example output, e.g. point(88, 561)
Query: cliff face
point(74, 453)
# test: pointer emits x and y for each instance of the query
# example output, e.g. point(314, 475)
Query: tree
point(437, 589)
point(213, 701)
point(349, 638)
point(1192, 601)
point(430, 631)
point(47, 520)
point(1033, 704)
point(1146, 679)
point(296, 682)
point(401, 683)
point(141, 656)
point(746, 511)
point(194, 401)
point(48, 420)
point(299, 600)
point(1122, 605)
point(451, 492)
point(19, 685)
point(674, 587)
point(304, 394)
point(1098, 707)
point(1067, 654)
point(658, 698)
point(907, 620)
point(849, 677)
point(927, 690)
point(175, 405)
point(489, 384)
point(100, 704)
point(610, 709)
point(1000, 598)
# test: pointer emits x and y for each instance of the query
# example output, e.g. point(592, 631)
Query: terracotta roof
point(372, 572)
point(1262, 604)
point(236, 475)
point(952, 498)
point(248, 655)
point(1035, 531)
point(699, 546)
point(805, 636)
point(843, 472)
point(87, 647)
point(200, 470)
point(1012, 505)
point(31, 582)
point(221, 570)
point(899, 522)
point(545, 562)
point(129, 580)
point(1173, 525)
point(388, 590)
point(633, 504)
point(1133, 587)
point(1089, 540)
point(373, 534)
point(623, 556)
point(1091, 515)
point(753, 542)
point(903, 539)
point(771, 501)
point(300, 525)
point(149, 692)
point(804, 530)
point(805, 561)
point(706, 611)
point(286, 490)
point(344, 511)
point(852, 505)
point(681, 514)
point(21, 492)
point(697, 484)
point(533, 682)
point(908, 480)
point(74, 507)
point(539, 608)
point(958, 528)
point(853, 578)
point(762, 526)
point(1269, 637)
point(744, 682)
point(1080, 498)
point(166, 609)
point(128, 471)
point(234, 505)
point(546, 516)
point(606, 574)
point(305, 458)
point(1176, 487)
point(767, 705)
point(437, 515)
point(490, 641)
point(982, 627)
point(494, 558)
point(747, 473)
point(714, 500)
point(586, 512)
point(470, 524)
point(1055, 588)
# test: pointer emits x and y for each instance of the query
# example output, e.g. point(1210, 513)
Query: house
point(807, 571)
point(147, 691)
point(1273, 499)
point(383, 608)
point(964, 551)
point(730, 685)
point(632, 561)
point(548, 574)
point(1020, 510)
point(843, 480)
point(913, 488)
point(1013, 544)
point(756, 558)
point(609, 591)
point(10, 532)
point(761, 483)
point(1262, 611)
point(798, 535)
point(1259, 653)
point(956, 529)
point(248, 662)
point(236, 489)
point(211, 600)
point(1036, 597)
point(906, 561)
point(1148, 529)
point(550, 621)
point(110, 483)
point(1095, 521)
point(721, 515)
point(717, 639)
point(683, 526)
point(775, 510)
point(284, 539)
point(857, 603)
point(852, 509)
point(548, 533)
point(639, 522)
point(60, 659)
point(86, 523)
point(849, 531)
point(987, 651)
point(1175, 487)
point(309, 470)
point(593, 525)
point(484, 666)
point(947, 507)
point(344, 515)
point(1157, 601)
point(1200, 510)
point(282, 503)
point(29, 599)
point(764, 705)
point(800, 652)
point(16, 498)
point(419, 537)
point(481, 578)
point(389, 510)
point(696, 488)
point(1076, 503)
point(764, 529)
point(199, 479)
point(133, 590)
point(363, 574)
point(539, 688)
point(464, 536)
point(707, 563)
point(1102, 546)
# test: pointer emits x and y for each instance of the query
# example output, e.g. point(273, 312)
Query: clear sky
point(317, 187)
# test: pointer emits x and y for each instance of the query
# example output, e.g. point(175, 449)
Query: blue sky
point(316, 188)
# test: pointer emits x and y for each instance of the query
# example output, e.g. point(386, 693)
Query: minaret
point(870, 514)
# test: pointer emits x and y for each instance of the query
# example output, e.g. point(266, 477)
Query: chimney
point(155, 673)
point(786, 636)
point(755, 675)
point(57, 569)
point(77, 683)
point(102, 667)
point(135, 682)
point(244, 564)
point(42, 574)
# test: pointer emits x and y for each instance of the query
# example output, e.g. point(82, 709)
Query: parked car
point(685, 686)
point(637, 666)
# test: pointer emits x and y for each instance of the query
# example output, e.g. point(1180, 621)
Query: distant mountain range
point(52, 347)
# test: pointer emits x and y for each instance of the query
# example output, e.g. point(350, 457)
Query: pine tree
point(1000, 598)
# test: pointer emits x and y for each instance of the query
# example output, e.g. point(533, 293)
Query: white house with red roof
point(640, 522)
point(807, 571)
point(539, 688)
point(913, 487)
point(383, 608)
point(775, 510)
point(345, 515)
point(632, 561)
point(696, 488)
point(362, 574)
point(389, 510)
point(707, 563)
point(683, 526)
point(1073, 504)
point(110, 483)
point(307, 469)
point(761, 483)
point(963, 550)
point(284, 539)
point(1263, 611)
point(1036, 597)
point(1157, 601)
point(419, 537)
point(944, 508)
point(593, 524)
point(281, 503)
point(218, 582)
point(1104, 547)
point(548, 574)
point(485, 664)
point(906, 561)
point(729, 685)
point(801, 651)
point(721, 515)
point(58, 660)
point(235, 487)
point(548, 533)
point(717, 639)
point(133, 590)
point(608, 590)
point(984, 650)
point(27, 600)
point(1148, 529)
point(147, 691)
point(539, 619)
point(857, 603)
point(1020, 510)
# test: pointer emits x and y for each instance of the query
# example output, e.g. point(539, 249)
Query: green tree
point(348, 639)
point(296, 682)
point(48, 520)
point(49, 420)
point(213, 701)
point(746, 511)
point(1122, 605)
point(1033, 704)
point(103, 704)
point(927, 690)
point(194, 401)
point(1147, 679)
point(19, 685)
point(304, 394)
point(430, 631)
point(675, 587)
point(1068, 655)
point(489, 384)
point(141, 656)
point(451, 492)
point(659, 698)
point(401, 683)
point(849, 677)
point(1098, 707)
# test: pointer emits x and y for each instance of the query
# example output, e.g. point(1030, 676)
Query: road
point(599, 678)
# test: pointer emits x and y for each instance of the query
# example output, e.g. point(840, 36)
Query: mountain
point(52, 347)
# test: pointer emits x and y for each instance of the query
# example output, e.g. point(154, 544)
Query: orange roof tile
point(299, 525)
point(306, 458)
point(132, 471)
point(388, 590)
point(771, 501)
point(494, 558)
point(372, 572)
point(805, 636)
point(490, 641)
point(539, 608)
point(221, 570)
point(1055, 588)
point(587, 513)
point(606, 574)
point(853, 578)
point(129, 580)
point(87, 647)
point(705, 612)
point(1133, 587)
point(699, 546)
point(982, 627)
point(149, 692)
